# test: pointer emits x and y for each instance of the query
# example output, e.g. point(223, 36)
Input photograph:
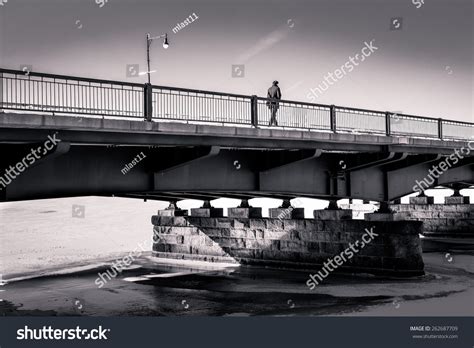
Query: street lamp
point(149, 40)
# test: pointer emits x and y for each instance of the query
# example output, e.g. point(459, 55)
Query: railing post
point(440, 128)
point(388, 129)
point(148, 102)
point(254, 111)
point(333, 118)
point(1, 91)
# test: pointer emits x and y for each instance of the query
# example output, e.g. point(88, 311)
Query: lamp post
point(149, 40)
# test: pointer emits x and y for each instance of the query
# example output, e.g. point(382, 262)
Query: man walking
point(274, 93)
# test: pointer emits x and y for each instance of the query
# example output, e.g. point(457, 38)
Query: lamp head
point(165, 42)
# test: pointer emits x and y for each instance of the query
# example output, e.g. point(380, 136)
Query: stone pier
point(287, 240)
point(454, 218)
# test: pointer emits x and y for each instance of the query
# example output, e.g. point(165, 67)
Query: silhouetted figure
point(273, 93)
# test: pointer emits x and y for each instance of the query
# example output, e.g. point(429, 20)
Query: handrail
point(188, 90)
point(294, 102)
point(73, 78)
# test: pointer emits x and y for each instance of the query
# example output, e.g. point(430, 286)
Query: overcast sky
point(426, 68)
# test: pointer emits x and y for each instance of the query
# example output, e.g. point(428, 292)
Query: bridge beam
point(402, 176)
point(369, 180)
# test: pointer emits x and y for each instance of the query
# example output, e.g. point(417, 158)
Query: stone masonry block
point(286, 213)
point(241, 233)
point(421, 200)
point(179, 248)
point(231, 242)
point(342, 214)
point(246, 213)
point(258, 224)
point(386, 217)
point(456, 200)
point(274, 224)
point(179, 230)
point(172, 212)
point(287, 245)
point(207, 212)
point(268, 234)
point(262, 244)
point(168, 221)
point(314, 225)
point(240, 223)
point(311, 236)
point(402, 207)
point(195, 240)
point(293, 224)
point(280, 213)
point(223, 222)
point(205, 222)
point(297, 213)
point(216, 232)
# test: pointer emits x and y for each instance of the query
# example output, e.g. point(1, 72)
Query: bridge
point(63, 136)
point(205, 145)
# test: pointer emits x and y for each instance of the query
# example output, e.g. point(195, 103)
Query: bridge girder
point(211, 172)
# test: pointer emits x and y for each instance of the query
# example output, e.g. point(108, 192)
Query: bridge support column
point(377, 247)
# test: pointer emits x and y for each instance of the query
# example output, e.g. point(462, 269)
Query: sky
point(423, 68)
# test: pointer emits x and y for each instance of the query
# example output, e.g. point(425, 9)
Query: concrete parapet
point(298, 243)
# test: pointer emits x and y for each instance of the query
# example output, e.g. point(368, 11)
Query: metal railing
point(66, 94)
point(293, 114)
point(60, 94)
point(180, 104)
point(363, 121)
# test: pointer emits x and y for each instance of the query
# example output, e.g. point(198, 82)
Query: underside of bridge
point(166, 172)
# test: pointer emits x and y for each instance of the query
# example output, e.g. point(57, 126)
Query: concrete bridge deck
point(78, 130)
